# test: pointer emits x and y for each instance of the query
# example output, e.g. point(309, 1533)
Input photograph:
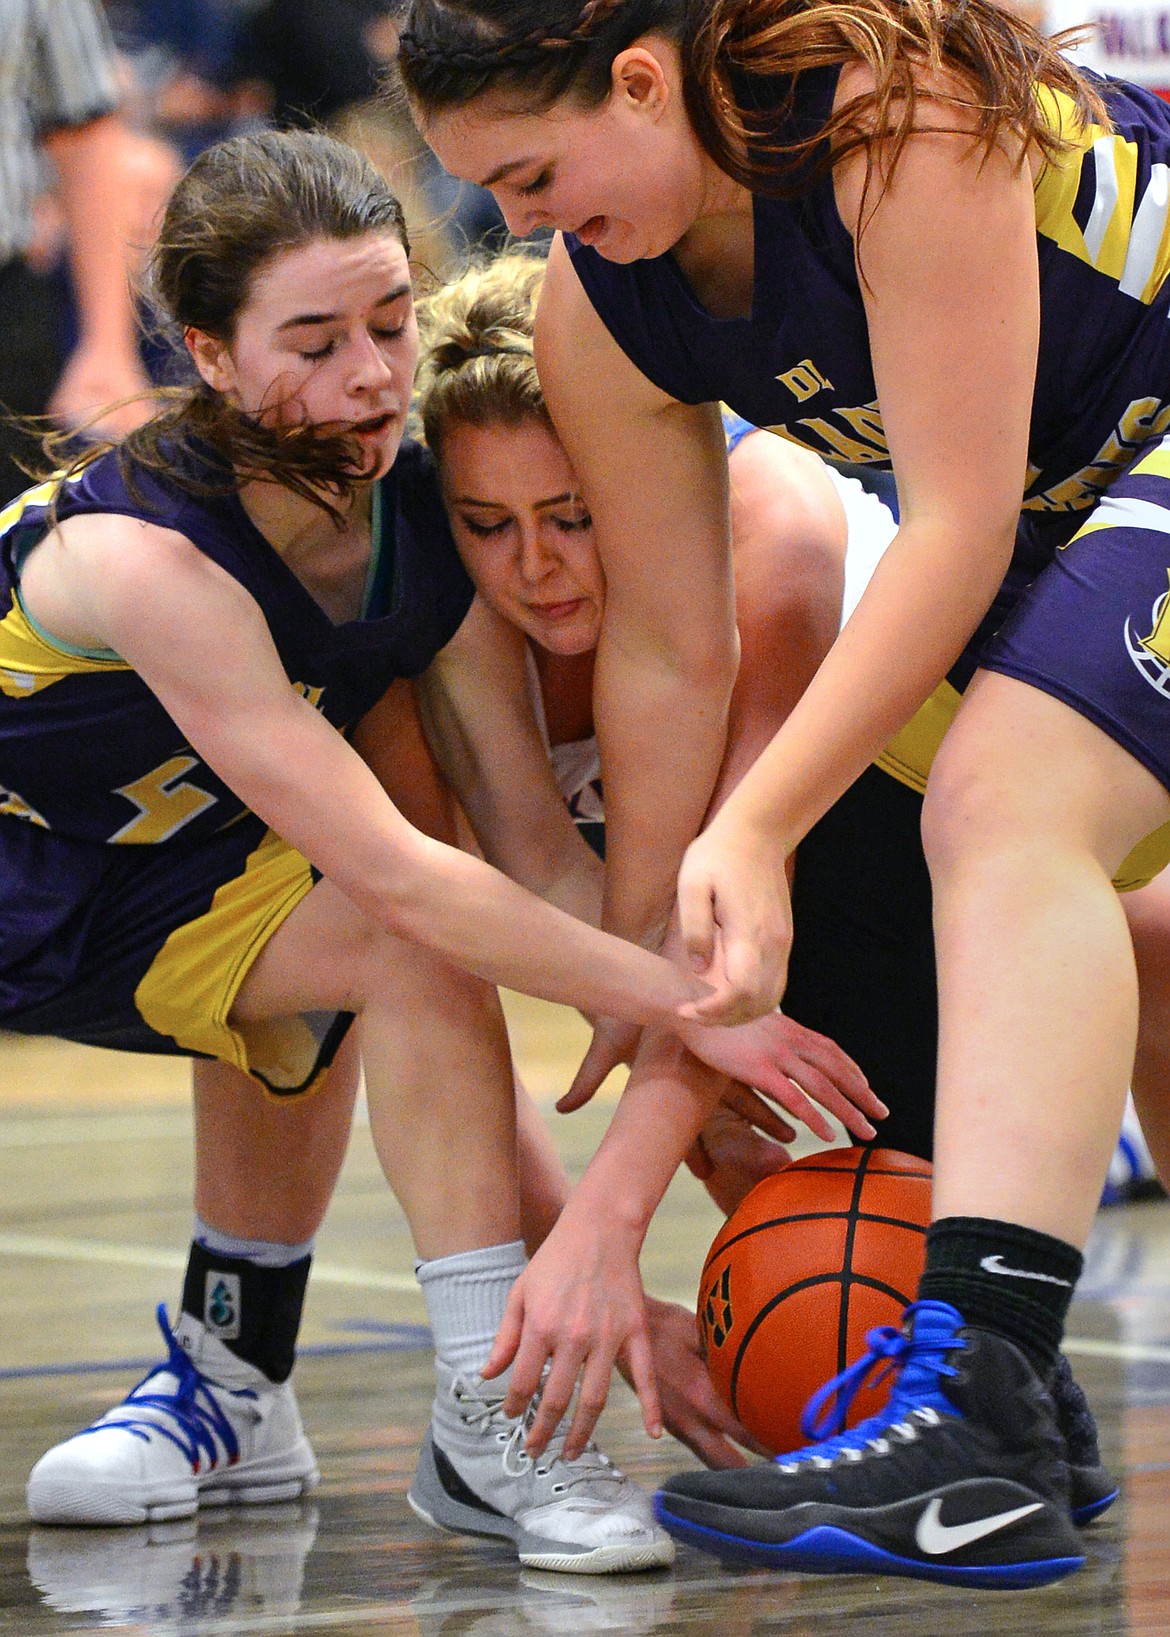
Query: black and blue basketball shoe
point(1092, 1488)
point(960, 1478)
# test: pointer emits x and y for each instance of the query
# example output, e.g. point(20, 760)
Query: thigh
point(1024, 767)
point(145, 948)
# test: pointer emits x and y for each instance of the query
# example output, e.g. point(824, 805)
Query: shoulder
point(608, 320)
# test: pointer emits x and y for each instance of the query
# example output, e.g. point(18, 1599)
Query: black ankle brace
point(255, 1311)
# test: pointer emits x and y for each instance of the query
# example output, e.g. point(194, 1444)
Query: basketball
point(813, 1258)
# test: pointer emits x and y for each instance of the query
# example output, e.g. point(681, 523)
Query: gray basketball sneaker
point(474, 1477)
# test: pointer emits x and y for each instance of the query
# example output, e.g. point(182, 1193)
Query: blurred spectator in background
point(1129, 39)
point(58, 100)
point(323, 62)
point(180, 58)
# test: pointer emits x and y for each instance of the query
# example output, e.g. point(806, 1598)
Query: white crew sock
point(466, 1295)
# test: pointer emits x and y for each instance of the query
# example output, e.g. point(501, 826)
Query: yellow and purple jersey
point(87, 751)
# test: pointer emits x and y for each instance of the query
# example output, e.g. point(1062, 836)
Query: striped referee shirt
point(56, 70)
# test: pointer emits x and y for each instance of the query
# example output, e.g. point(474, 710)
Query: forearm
point(908, 629)
point(650, 822)
point(89, 161)
point(664, 1106)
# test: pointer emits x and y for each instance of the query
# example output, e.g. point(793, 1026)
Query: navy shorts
point(144, 948)
point(1093, 629)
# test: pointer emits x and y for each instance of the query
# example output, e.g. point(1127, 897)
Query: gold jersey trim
point(1125, 238)
point(192, 983)
point(29, 662)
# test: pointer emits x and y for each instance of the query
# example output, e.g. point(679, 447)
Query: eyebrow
point(506, 169)
point(498, 506)
point(329, 318)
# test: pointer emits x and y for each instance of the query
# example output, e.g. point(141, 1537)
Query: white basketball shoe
point(202, 1429)
point(1132, 1175)
point(231, 1569)
point(474, 1477)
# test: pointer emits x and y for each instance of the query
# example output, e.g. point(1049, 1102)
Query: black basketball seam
point(847, 1261)
point(813, 1216)
point(865, 1279)
point(805, 1284)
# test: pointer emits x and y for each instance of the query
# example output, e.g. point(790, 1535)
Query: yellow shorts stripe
point(192, 983)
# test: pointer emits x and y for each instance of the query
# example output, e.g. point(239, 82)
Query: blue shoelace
point(187, 1413)
point(918, 1354)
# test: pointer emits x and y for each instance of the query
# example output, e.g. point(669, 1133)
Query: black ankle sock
point(255, 1311)
point(1004, 1278)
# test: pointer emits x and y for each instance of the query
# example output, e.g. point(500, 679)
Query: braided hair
point(740, 60)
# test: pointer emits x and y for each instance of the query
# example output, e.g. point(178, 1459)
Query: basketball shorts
point(144, 948)
point(1092, 629)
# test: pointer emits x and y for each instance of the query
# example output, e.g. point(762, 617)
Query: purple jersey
point(801, 364)
point(87, 751)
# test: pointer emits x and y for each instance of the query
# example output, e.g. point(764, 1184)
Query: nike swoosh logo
point(994, 1264)
point(935, 1537)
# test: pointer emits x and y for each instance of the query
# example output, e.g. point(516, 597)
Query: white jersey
point(577, 766)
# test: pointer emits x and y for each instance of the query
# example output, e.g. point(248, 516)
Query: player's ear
point(641, 75)
point(211, 358)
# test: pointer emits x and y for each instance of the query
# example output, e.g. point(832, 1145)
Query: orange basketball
point(813, 1258)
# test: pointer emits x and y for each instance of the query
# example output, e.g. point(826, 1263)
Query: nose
point(371, 369)
point(520, 219)
point(534, 559)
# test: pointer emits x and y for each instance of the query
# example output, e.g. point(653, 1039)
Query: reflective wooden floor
point(94, 1223)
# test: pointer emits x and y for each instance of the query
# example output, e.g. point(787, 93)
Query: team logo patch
point(221, 1305)
point(1150, 654)
point(717, 1315)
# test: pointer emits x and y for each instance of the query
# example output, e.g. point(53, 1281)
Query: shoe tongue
point(934, 1323)
point(933, 1327)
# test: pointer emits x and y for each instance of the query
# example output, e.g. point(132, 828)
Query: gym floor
point(95, 1178)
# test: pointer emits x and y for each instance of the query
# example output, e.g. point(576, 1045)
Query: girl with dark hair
point(194, 860)
point(907, 233)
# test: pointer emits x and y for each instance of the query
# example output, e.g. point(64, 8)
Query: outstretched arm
point(954, 231)
point(201, 644)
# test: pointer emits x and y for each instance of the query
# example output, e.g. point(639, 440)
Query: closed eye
point(483, 530)
point(574, 525)
point(537, 185)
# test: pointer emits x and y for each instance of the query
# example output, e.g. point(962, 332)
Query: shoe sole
point(1088, 1510)
point(831, 1549)
point(64, 1502)
point(431, 1503)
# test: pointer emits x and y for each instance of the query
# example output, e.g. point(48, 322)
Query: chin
point(566, 643)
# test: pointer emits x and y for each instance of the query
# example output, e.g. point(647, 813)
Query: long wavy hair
point(243, 202)
point(736, 54)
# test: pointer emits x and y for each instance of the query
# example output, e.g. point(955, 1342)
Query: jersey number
point(165, 802)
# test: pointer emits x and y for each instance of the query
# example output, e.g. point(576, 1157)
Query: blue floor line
point(403, 1338)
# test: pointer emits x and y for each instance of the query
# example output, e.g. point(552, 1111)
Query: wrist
point(613, 1205)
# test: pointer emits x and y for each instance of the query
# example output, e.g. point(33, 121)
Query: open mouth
point(589, 232)
point(370, 428)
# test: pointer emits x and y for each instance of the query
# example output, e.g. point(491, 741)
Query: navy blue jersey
point(801, 365)
point(88, 752)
